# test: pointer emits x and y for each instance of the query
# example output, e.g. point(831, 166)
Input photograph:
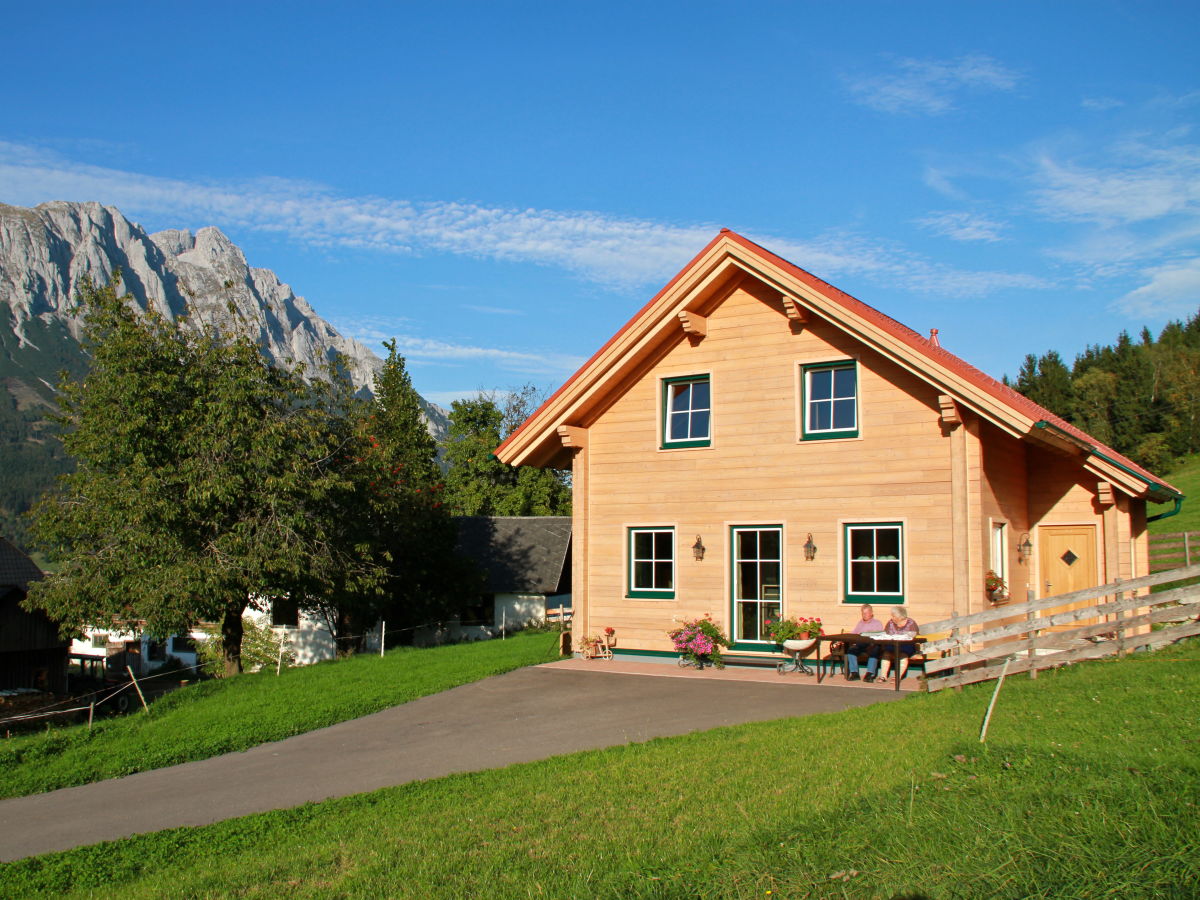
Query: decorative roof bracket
point(951, 417)
point(797, 314)
point(572, 436)
point(694, 325)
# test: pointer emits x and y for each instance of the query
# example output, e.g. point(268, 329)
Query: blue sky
point(501, 185)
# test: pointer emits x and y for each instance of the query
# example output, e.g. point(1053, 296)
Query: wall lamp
point(810, 549)
point(1025, 548)
point(698, 549)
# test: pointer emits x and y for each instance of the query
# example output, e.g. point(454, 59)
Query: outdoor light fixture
point(698, 549)
point(1025, 548)
point(810, 549)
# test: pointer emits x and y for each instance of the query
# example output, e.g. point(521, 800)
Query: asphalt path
point(525, 715)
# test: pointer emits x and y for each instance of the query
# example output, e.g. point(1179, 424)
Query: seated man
point(868, 623)
point(899, 623)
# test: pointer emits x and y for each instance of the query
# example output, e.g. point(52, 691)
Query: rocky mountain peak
point(46, 250)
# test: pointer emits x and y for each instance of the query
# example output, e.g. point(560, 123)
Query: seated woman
point(899, 623)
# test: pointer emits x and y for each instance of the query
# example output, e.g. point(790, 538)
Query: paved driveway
point(524, 715)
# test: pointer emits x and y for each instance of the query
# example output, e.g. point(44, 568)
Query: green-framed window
point(652, 563)
point(874, 562)
point(757, 581)
point(687, 412)
point(829, 402)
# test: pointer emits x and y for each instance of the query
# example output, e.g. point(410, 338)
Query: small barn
point(526, 564)
point(32, 655)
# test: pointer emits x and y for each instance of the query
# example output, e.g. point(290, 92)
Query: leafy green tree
point(202, 473)
point(478, 484)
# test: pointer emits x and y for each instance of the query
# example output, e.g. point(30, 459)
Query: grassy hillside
point(1186, 477)
point(217, 717)
point(1088, 786)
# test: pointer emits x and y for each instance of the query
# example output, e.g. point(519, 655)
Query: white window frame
point(736, 602)
point(636, 592)
point(852, 598)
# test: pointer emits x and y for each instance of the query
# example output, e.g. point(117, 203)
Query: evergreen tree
point(405, 511)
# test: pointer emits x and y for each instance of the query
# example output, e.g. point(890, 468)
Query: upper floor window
point(687, 412)
point(652, 563)
point(830, 403)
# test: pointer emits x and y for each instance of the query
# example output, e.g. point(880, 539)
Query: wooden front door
point(1067, 561)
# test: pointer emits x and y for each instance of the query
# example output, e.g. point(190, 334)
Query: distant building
point(32, 655)
point(526, 563)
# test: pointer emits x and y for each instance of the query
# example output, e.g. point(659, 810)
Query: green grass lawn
point(1186, 477)
point(222, 716)
point(1088, 786)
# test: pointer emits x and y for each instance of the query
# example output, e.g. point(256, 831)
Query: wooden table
point(851, 638)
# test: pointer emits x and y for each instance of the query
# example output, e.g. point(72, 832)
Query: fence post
point(1030, 617)
point(1187, 550)
point(382, 632)
point(1119, 596)
point(139, 688)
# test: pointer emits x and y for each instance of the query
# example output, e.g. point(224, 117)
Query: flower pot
point(799, 644)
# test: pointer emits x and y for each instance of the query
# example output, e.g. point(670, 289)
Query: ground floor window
point(1000, 550)
point(285, 612)
point(652, 563)
point(757, 579)
point(874, 562)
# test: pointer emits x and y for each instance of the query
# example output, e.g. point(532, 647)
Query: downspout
point(1168, 514)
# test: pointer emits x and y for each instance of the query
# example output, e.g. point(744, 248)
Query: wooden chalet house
point(754, 440)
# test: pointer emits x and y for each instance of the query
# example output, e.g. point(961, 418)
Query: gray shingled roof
point(518, 554)
point(16, 569)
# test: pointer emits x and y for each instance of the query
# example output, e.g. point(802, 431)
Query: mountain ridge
point(200, 280)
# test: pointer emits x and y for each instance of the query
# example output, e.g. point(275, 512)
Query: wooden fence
point(1117, 618)
point(1170, 551)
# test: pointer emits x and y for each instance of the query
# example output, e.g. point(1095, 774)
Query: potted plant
point(587, 647)
point(794, 630)
point(699, 641)
point(996, 589)
point(610, 636)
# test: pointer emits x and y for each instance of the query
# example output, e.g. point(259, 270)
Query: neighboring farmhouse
point(754, 440)
point(32, 655)
point(526, 564)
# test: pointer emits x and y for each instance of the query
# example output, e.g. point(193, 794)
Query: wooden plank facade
point(753, 409)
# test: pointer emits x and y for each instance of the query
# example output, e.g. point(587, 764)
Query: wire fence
point(107, 694)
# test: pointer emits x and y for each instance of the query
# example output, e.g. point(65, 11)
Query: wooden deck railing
point(1119, 620)
point(1169, 551)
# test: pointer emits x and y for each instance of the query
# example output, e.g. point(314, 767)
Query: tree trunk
point(231, 638)
point(350, 637)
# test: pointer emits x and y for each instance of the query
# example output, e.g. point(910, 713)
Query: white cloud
point(1140, 183)
point(1101, 104)
point(495, 310)
point(608, 249)
point(962, 226)
point(939, 180)
point(929, 87)
point(374, 330)
point(1173, 290)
